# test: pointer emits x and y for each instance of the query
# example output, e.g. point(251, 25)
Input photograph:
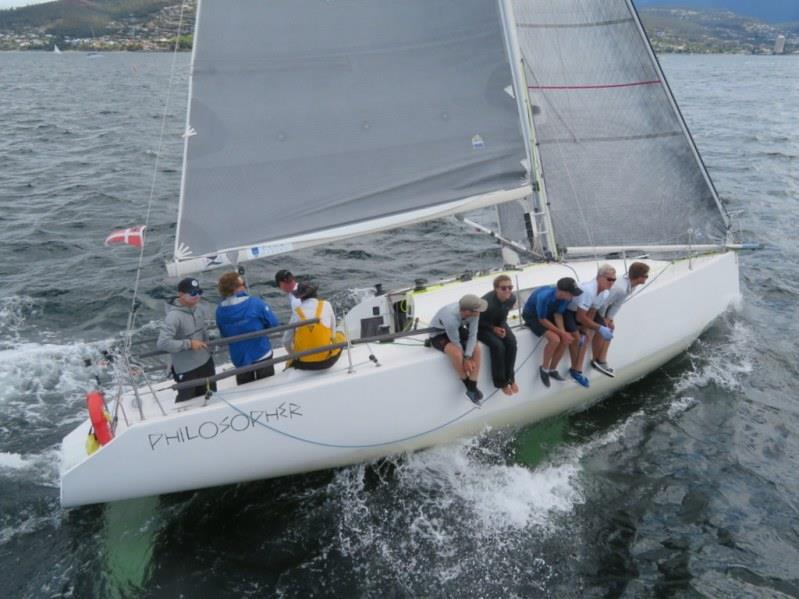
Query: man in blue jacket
point(241, 313)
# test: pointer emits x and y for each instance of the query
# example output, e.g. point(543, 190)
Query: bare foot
point(514, 387)
point(507, 390)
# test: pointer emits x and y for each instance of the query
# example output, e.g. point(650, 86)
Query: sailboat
point(312, 122)
point(56, 49)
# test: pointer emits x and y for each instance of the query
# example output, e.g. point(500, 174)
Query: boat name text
point(211, 429)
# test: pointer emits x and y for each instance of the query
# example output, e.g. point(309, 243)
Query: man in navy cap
point(544, 313)
point(184, 336)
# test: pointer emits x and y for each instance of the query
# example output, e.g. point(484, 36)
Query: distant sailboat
point(321, 121)
point(56, 49)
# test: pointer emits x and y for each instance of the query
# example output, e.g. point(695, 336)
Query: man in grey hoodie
point(184, 335)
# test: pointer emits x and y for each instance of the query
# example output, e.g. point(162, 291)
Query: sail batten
point(309, 115)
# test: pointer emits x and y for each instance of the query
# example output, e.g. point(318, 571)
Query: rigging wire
point(132, 313)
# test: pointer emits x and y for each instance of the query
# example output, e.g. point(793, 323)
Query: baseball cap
point(472, 302)
point(570, 285)
point(190, 285)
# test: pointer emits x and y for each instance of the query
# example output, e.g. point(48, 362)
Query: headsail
point(619, 164)
point(309, 116)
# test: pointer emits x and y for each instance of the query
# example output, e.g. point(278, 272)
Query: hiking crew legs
point(503, 356)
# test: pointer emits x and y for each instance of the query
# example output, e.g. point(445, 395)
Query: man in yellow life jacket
point(314, 335)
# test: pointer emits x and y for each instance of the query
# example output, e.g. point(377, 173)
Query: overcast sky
point(10, 3)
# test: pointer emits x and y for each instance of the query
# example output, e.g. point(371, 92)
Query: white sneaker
point(603, 368)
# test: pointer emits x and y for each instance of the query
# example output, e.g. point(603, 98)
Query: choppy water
point(685, 484)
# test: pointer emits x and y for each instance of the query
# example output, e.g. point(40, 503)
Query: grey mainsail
point(308, 115)
point(619, 165)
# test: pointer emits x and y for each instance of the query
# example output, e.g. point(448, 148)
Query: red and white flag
point(133, 236)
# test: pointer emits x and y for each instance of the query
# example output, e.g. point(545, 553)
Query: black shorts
point(569, 323)
point(205, 371)
point(440, 341)
point(256, 375)
point(597, 319)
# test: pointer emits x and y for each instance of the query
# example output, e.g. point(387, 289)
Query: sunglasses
point(611, 279)
point(506, 287)
point(195, 292)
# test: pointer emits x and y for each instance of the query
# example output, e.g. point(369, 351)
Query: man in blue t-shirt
point(543, 313)
point(241, 313)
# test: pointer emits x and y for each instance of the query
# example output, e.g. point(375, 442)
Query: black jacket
point(496, 315)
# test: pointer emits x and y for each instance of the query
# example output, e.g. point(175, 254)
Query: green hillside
point(685, 30)
point(154, 25)
point(78, 18)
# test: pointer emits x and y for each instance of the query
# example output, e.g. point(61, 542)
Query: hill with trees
point(79, 18)
point(770, 11)
point(154, 24)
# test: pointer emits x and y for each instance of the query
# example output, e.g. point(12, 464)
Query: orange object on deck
point(99, 417)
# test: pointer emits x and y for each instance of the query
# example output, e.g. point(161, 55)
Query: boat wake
point(15, 311)
point(458, 514)
point(37, 468)
point(33, 376)
point(724, 361)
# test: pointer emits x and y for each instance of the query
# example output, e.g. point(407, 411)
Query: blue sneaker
point(579, 377)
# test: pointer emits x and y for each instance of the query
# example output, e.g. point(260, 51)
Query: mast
point(537, 215)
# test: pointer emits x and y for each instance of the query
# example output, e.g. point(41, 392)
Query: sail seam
point(574, 25)
point(595, 85)
point(610, 139)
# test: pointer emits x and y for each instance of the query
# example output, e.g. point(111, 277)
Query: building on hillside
point(779, 45)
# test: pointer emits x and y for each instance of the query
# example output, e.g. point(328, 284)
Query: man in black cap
point(184, 335)
point(288, 284)
point(543, 313)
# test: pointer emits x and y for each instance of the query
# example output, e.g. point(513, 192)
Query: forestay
point(619, 165)
point(307, 115)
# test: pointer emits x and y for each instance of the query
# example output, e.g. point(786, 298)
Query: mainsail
point(308, 117)
point(619, 165)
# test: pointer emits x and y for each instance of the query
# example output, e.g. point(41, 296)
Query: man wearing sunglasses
point(583, 312)
point(637, 275)
point(497, 335)
point(184, 336)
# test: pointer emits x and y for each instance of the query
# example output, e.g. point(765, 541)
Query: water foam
point(30, 372)
point(12, 461)
point(725, 362)
point(14, 313)
point(498, 496)
point(459, 514)
point(38, 468)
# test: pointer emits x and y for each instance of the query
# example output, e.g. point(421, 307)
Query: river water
point(684, 484)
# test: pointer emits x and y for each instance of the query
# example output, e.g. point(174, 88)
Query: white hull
point(300, 421)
